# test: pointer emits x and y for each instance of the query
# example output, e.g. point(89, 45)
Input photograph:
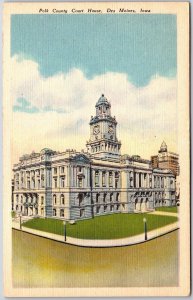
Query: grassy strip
point(172, 209)
point(103, 227)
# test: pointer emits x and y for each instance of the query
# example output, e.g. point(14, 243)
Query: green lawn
point(172, 209)
point(103, 227)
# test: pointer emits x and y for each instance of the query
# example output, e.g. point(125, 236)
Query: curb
point(100, 247)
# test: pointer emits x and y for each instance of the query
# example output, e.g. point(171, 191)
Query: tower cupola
point(103, 106)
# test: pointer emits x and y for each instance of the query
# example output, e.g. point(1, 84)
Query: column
point(147, 181)
point(68, 176)
point(142, 180)
point(93, 177)
point(85, 179)
point(88, 177)
point(137, 180)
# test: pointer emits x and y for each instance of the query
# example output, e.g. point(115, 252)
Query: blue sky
point(61, 64)
point(141, 46)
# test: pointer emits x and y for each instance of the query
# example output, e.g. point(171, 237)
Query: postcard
point(96, 149)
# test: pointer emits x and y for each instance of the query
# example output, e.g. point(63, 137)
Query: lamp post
point(145, 228)
point(64, 230)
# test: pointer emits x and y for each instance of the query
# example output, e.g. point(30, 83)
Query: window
point(17, 198)
point(98, 209)
point(42, 200)
point(54, 199)
point(21, 199)
point(80, 198)
point(54, 212)
point(104, 198)
point(111, 197)
point(62, 170)
point(80, 182)
point(42, 211)
point(62, 199)
point(117, 197)
point(79, 169)
point(62, 182)
point(28, 184)
point(110, 179)
point(103, 179)
point(81, 212)
point(105, 208)
point(111, 208)
point(162, 182)
point(55, 182)
point(38, 183)
point(62, 213)
point(97, 198)
point(55, 170)
point(96, 178)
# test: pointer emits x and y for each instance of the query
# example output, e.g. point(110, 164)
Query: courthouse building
point(75, 185)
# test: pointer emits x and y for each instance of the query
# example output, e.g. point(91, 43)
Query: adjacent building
point(166, 160)
point(76, 185)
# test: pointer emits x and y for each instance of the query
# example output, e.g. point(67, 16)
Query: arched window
point(62, 213)
point(62, 199)
point(17, 198)
point(54, 212)
point(54, 199)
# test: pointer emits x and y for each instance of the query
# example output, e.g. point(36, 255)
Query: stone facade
point(77, 185)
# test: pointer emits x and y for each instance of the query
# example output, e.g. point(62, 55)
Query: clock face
point(110, 129)
point(96, 129)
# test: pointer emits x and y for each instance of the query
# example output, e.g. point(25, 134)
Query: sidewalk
point(164, 213)
point(102, 243)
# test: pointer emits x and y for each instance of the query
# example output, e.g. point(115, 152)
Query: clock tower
point(103, 140)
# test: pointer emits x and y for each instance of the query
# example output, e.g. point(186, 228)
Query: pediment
point(81, 158)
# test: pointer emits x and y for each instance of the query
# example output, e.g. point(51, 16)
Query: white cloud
point(145, 115)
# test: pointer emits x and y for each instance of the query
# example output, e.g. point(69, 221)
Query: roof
point(102, 100)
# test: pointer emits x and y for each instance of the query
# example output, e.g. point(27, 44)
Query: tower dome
point(102, 100)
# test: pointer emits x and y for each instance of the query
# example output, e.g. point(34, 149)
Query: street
point(39, 262)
